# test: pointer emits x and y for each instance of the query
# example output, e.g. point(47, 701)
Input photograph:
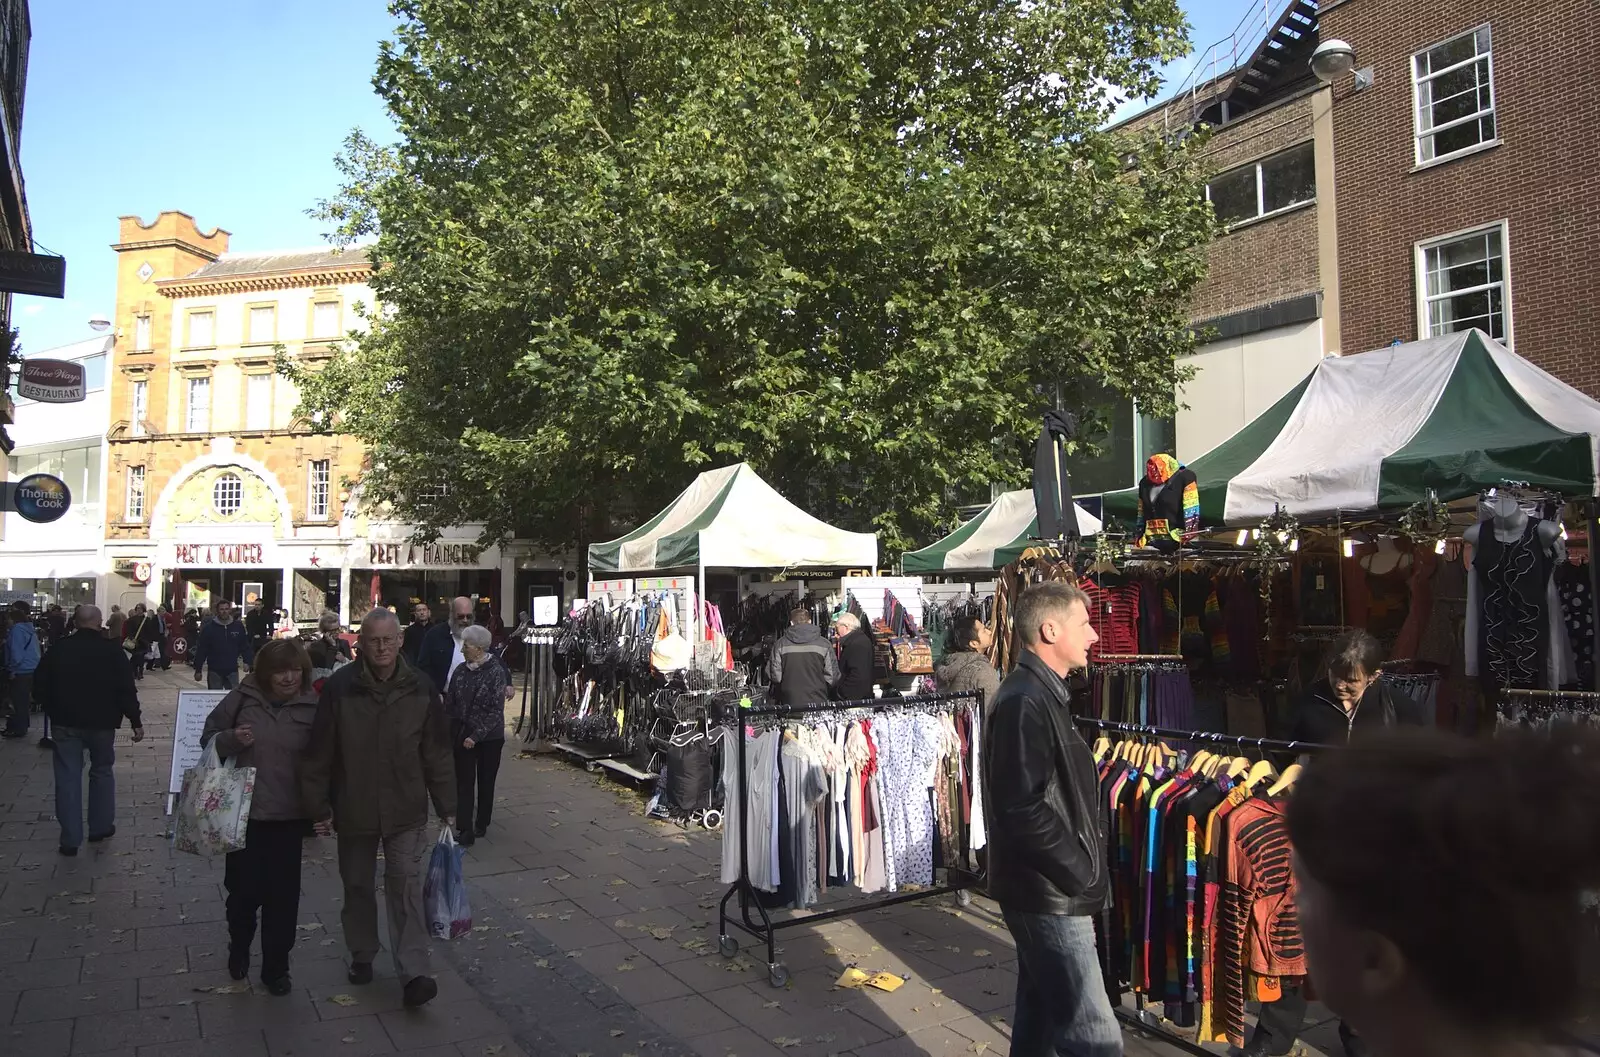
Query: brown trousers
point(405, 864)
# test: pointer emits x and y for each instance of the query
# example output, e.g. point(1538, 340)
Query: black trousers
point(1278, 1027)
point(265, 876)
point(476, 769)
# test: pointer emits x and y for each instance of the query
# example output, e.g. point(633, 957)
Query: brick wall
point(1543, 180)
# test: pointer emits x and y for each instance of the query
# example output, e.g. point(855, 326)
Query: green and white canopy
point(993, 539)
point(732, 519)
point(1376, 431)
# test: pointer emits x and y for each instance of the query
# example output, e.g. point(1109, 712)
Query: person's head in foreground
point(1054, 620)
point(1439, 882)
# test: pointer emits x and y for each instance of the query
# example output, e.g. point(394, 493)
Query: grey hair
point(328, 619)
point(376, 616)
point(1042, 601)
point(476, 635)
point(848, 621)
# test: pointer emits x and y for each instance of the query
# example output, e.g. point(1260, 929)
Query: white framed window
point(1463, 281)
point(202, 329)
point(133, 501)
point(227, 495)
point(1262, 188)
point(258, 401)
point(1454, 84)
point(141, 406)
point(197, 409)
point(325, 319)
point(141, 333)
point(263, 324)
point(318, 479)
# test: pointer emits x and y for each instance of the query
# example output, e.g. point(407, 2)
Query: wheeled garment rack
point(958, 877)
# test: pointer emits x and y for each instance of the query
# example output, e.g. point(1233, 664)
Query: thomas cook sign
point(41, 498)
point(51, 381)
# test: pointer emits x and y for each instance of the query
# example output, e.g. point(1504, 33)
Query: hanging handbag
point(913, 655)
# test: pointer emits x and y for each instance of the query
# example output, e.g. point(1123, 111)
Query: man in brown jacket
point(380, 750)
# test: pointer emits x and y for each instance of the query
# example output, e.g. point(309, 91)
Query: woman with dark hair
point(266, 723)
point(1440, 884)
point(1351, 698)
point(965, 665)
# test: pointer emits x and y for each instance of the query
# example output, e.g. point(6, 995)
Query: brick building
point(213, 487)
point(1442, 184)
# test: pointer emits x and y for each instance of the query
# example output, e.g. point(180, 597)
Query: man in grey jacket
point(803, 666)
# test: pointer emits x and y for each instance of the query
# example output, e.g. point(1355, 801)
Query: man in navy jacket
point(222, 643)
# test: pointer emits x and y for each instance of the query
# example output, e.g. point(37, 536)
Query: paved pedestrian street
point(594, 936)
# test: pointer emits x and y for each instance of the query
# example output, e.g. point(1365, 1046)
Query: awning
point(732, 519)
point(57, 565)
point(1376, 431)
point(993, 539)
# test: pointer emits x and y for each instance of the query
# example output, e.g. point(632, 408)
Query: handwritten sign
point(193, 708)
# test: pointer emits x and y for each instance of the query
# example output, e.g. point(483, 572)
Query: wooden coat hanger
point(1102, 745)
point(1290, 773)
point(1260, 772)
point(1237, 766)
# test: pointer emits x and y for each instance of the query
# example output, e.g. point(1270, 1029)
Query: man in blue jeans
point(222, 643)
point(22, 661)
point(1047, 861)
point(86, 685)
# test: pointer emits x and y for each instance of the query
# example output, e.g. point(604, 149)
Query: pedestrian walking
point(22, 661)
point(141, 632)
point(115, 624)
point(476, 705)
point(329, 651)
point(266, 724)
point(379, 752)
point(1047, 866)
point(86, 684)
point(220, 646)
point(258, 624)
point(440, 654)
point(165, 623)
point(803, 667)
point(1440, 886)
point(416, 631)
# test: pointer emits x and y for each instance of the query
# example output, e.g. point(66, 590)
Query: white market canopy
point(732, 519)
point(995, 538)
point(1377, 431)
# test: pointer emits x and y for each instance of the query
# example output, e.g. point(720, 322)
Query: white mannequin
point(1386, 559)
point(1509, 520)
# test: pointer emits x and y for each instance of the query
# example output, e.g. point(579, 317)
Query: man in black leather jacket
point(1047, 866)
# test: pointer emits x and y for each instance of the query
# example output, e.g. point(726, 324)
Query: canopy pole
point(699, 606)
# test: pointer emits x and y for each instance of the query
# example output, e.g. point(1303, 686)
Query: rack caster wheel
point(777, 976)
point(712, 819)
point(728, 946)
point(963, 898)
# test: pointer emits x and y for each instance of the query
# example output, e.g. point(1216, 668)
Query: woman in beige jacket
point(266, 724)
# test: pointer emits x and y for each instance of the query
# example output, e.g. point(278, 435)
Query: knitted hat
point(1160, 468)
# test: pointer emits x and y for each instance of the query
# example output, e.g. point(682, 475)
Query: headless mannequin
point(1510, 521)
point(1386, 559)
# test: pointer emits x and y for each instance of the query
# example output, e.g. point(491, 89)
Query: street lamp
point(99, 323)
point(1332, 60)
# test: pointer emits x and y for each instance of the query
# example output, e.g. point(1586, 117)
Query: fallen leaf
point(82, 900)
point(543, 963)
point(770, 1005)
point(564, 917)
point(784, 1042)
point(314, 926)
point(348, 1039)
point(625, 967)
point(830, 951)
point(618, 883)
point(953, 950)
point(617, 1033)
point(492, 1050)
point(979, 1047)
point(825, 1038)
point(225, 989)
point(542, 917)
point(661, 933)
point(936, 990)
point(329, 942)
point(342, 1000)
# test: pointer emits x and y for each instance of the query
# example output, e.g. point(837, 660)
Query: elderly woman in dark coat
point(476, 704)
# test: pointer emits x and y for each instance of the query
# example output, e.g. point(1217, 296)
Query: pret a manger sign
point(219, 554)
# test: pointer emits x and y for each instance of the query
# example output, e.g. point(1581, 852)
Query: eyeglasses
point(380, 643)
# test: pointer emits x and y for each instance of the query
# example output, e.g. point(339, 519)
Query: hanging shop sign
point(41, 498)
point(133, 569)
point(51, 381)
point(438, 555)
point(38, 274)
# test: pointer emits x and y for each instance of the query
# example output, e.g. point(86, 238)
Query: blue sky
point(229, 111)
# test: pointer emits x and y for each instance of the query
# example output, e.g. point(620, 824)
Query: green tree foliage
point(859, 245)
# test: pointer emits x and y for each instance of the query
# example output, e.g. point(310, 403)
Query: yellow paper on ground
point(885, 982)
point(852, 978)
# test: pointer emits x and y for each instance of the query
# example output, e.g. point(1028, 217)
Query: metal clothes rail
point(1139, 1018)
point(958, 878)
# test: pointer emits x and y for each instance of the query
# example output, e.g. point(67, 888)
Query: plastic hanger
point(1102, 745)
point(1290, 773)
point(1260, 772)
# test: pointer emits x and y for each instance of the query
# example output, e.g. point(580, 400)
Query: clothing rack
point(958, 878)
point(1571, 695)
point(540, 687)
point(1119, 658)
point(1139, 1018)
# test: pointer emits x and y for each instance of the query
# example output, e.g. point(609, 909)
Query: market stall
point(993, 539)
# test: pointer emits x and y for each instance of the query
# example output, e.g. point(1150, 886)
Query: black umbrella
point(1052, 484)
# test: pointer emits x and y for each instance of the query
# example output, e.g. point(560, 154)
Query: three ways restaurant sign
point(51, 381)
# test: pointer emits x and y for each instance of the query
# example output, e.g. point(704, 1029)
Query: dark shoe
point(67, 851)
point(279, 987)
point(481, 831)
point(239, 963)
point(107, 835)
point(419, 991)
point(47, 743)
point(465, 839)
point(360, 973)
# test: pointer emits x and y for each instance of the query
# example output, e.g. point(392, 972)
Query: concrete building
point(62, 561)
point(215, 488)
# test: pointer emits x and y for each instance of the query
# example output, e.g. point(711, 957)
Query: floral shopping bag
point(214, 805)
